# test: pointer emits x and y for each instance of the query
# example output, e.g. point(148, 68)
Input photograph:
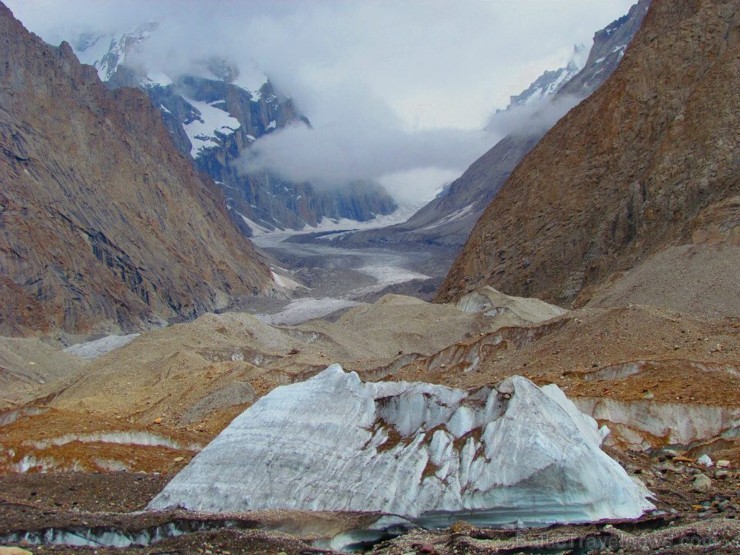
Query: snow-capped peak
point(551, 81)
point(107, 52)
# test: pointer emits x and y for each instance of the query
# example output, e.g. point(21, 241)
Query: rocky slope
point(103, 224)
point(187, 381)
point(449, 218)
point(215, 114)
point(656, 378)
point(648, 161)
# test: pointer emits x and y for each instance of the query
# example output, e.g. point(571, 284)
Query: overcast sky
point(399, 88)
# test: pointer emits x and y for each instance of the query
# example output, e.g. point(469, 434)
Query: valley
point(324, 276)
point(199, 354)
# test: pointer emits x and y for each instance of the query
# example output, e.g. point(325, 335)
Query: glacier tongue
point(334, 443)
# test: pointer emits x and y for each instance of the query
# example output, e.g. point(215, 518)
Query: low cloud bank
point(534, 118)
point(340, 153)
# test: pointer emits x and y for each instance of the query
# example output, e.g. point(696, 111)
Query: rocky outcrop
point(508, 311)
point(499, 454)
point(448, 219)
point(103, 224)
point(645, 162)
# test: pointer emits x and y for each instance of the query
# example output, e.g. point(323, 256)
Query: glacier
point(513, 452)
point(98, 347)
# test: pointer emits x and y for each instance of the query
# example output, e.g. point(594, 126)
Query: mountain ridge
point(449, 218)
point(104, 225)
point(214, 115)
point(648, 158)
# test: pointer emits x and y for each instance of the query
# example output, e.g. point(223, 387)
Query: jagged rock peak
point(513, 451)
point(551, 81)
point(215, 111)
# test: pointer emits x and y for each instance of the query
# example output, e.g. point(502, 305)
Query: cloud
point(533, 118)
point(390, 86)
point(333, 154)
point(418, 186)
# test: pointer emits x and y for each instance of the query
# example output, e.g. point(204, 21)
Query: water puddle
point(111, 536)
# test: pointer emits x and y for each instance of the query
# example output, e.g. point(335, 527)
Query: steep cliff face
point(214, 114)
point(448, 219)
point(647, 161)
point(103, 224)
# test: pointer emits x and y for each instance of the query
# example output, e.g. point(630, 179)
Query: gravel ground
point(687, 521)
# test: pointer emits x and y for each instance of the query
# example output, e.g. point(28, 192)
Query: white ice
point(385, 275)
point(98, 347)
point(304, 309)
point(334, 443)
point(119, 438)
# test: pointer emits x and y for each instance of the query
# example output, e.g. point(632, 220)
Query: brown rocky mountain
point(103, 224)
point(649, 161)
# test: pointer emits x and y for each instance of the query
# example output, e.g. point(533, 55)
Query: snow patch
point(91, 48)
point(343, 225)
point(456, 215)
point(157, 79)
point(256, 228)
point(386, 276)
point(285, 282)
point(206, 131)
point(29, 462)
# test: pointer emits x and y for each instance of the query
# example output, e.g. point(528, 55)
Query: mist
point(392, 87)
point(332, 154)
point(533, 118)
